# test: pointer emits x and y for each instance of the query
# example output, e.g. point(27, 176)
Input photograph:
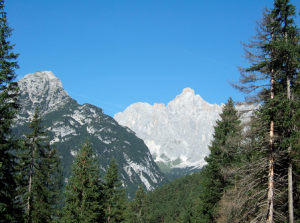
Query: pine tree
point(40, 175)
point(138, 207)
point(53, 182)
point(274, 57)
point(114, 197)
point(83, 195)
point(8, 110)
point(289, 51)
point(222, 154)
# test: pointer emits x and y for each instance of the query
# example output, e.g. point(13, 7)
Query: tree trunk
point(271, 162)
point(108, 219)
point(29, 187)
point(290, 168)
point(290, 190)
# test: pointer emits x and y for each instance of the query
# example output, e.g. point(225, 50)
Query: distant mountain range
point(177, 134)
point(69, 124)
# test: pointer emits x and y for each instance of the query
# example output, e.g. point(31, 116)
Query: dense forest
point(252, 172)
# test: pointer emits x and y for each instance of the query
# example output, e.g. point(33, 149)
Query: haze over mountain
point(69, 124)
point(177, 134)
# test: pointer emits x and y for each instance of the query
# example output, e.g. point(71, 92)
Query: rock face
point(178, 134)
point(44, 90)
point(69, 124)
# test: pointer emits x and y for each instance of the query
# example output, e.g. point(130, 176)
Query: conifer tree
point(222, 154)
point(8, 109)
point(138, 207)
point(40, 175)
point(53, 182)
point(289, 53)
point(114, 197)
point(83, 195)
point(274, 57)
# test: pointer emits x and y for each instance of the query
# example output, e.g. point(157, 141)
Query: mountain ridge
point(69, 124)
point(177, 134)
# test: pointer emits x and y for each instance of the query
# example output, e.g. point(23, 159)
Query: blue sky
point(115, 53)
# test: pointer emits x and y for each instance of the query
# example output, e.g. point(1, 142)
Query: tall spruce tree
point(83, 195)
point(274, 57)
point(114, 198)
point(40, 175)
point(289, 51)
point(8, 109)
point(138, 210)
point(53, 182)
point(222, 155)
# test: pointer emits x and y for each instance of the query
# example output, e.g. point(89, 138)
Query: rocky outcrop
point(178, 134)
point(42, 89)
point(69, 124)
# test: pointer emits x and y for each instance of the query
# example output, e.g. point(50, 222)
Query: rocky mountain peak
point(43, 90)
point(69, 124)
point(36, 82)
point(177, 135)
point(187, 94)
point(188, 90)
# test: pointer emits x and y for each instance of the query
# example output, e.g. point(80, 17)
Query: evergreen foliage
point(83, 195)
point(54, 182)
point(40, 175)
point(62, 118)
point(252, 172)
point(138, 210)
point(8, 110)
point(271, 80)
point(175, 201)
point(114, 198)
point(222, 154)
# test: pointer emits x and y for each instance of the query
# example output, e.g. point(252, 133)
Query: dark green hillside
point(180, 172)
point(175, 201)
point(135, 150)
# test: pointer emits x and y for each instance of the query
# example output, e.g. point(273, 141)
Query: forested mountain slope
point(69, 124)
point(176, 201)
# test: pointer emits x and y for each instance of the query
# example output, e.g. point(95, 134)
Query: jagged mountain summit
point(44, 90)
point(178, 134)
point(69, 124)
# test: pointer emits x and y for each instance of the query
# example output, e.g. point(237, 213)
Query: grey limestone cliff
point(178, 134)
point(44, 90)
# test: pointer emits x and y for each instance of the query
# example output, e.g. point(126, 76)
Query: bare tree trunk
point(290, 189)
point(29, 188)
point(290, 168)
point(271, 162)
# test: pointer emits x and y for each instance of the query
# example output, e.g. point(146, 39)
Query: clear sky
point(115, 53)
